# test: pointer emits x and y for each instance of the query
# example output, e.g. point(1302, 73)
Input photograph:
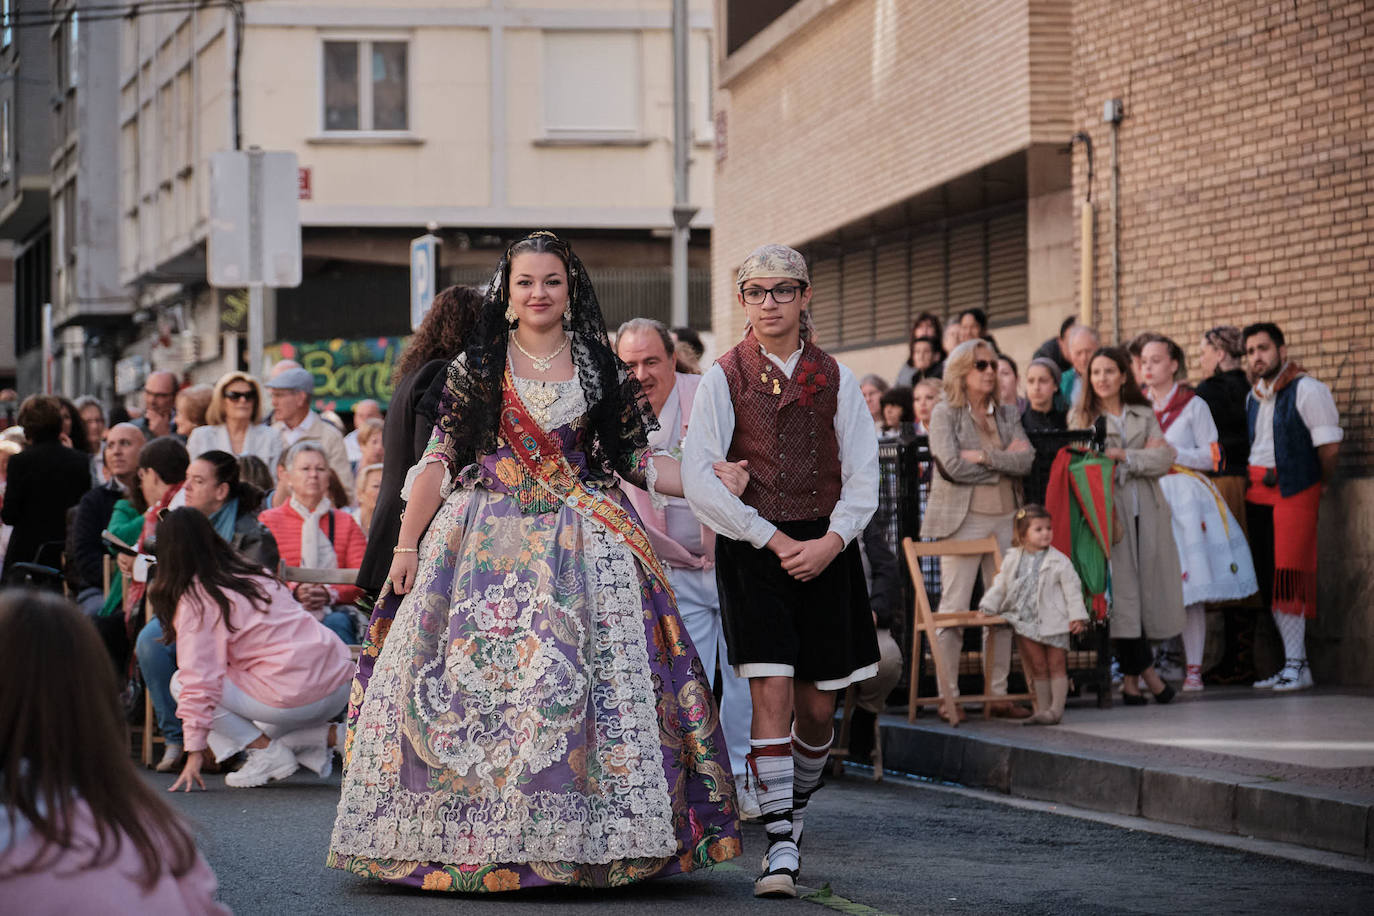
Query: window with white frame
point(7, 32)
point(366, 85)
point(73, 48)
point(592, 84)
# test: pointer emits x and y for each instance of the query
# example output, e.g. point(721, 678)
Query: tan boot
point(1054, 710)
point(1041, 688)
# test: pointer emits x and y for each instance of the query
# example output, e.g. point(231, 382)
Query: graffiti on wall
point(346, 371)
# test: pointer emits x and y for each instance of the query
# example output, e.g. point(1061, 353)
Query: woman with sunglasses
point(233, 422)
point(981, 452)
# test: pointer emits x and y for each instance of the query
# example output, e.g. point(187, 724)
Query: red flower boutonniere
point(811, 380)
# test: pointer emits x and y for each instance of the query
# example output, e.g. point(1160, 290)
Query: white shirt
point(1317, 409)
point(680, 522)
point(711, 428)
point(1192, 433)
point(352, 448)
point(289, 436)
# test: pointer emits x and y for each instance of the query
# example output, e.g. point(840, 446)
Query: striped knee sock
point(809, 763)
point(771, 761)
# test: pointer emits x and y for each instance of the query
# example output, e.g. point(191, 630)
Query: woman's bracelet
point(405, 550)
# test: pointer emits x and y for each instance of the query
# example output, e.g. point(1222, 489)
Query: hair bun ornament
point(1020, 514)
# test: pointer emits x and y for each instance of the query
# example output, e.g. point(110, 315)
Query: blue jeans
point(340, 621)
point(158, 663)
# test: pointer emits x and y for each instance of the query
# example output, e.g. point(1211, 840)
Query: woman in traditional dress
point(528, 708)
point(1211, 543)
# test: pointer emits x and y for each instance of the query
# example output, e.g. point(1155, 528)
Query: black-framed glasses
point(755, 295)
point(240, 395)
point(983, 365)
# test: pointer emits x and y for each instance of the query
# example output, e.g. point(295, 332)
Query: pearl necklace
point(541, 363)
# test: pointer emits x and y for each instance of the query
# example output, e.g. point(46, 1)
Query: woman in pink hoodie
point(79, 830)
point(256, 671)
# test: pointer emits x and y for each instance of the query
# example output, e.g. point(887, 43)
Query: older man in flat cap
point(792, 588)
point(294, 421)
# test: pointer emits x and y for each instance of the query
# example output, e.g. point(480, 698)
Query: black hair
point(190, 553)
point(979, 316)
point(692, 339)
point(901, 397)
point(1015, 370)
point(227, 471)
point(1066, 324)
point(167, 457)
point(1262, 327)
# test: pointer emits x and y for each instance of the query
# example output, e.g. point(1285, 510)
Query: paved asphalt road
point(889, 848)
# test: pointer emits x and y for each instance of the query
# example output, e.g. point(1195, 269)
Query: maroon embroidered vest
point(785, 427)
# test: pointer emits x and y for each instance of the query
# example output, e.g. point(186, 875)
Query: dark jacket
point(404, 438)
point(93, 515)
point(1225, 394)
point(1046, 449)
point(1050, 350)
point(44, 481)
point(253, 540)
point(884, 580)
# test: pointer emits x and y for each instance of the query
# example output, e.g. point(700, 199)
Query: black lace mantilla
point(467, 396)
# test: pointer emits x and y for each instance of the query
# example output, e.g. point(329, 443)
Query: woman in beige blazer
point(980, 452)
point(1147, 581)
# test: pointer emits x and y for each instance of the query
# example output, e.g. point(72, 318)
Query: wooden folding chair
point(317, 576)
point(927, 621)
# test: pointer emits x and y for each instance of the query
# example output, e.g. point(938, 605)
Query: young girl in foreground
point(80, 832)
point(1039, 593)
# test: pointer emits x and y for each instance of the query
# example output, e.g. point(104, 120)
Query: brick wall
point(1246, 187)
point(1246, 176)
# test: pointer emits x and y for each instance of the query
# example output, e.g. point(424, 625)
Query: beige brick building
point(1246, 170)
point(918, 152)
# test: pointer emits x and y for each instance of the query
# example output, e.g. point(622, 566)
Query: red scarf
point(542, 459)
point(1172, 410)
point(1289, 374)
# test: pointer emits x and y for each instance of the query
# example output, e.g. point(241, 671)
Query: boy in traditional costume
point(792, 588)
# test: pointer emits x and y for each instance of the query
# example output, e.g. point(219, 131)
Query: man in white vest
point(684, 545)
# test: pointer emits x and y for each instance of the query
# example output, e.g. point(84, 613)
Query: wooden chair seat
point(928, 620)
point(314, 575)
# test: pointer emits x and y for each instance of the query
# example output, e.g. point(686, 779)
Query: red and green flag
point(1080, 500)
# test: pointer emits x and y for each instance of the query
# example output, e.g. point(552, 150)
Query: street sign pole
point(256, 342)
point(424, 276)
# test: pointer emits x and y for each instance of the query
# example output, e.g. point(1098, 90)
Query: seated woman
point(78, 824)
point(212, 488)
point(311, 532)
point(257, 672)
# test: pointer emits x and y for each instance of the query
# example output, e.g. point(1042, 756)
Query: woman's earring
point(510, 315)
point(567, 318)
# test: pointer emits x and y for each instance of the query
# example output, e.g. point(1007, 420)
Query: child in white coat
point(1039, 593)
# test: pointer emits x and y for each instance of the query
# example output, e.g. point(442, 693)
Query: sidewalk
point(1296, 768)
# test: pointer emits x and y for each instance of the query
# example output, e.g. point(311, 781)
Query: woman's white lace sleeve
point(445, 486)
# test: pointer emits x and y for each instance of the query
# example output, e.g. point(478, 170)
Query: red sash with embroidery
point(542, 459)
point(1167, 414)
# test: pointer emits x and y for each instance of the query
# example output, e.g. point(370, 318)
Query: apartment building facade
point(482, 120)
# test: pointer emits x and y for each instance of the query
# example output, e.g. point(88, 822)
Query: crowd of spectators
point(1199, 481)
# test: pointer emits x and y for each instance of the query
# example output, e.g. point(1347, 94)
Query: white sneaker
point(264, 765)
point(746, 799)
point(1294, 679)
point(171, 753)
point(312, 750)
